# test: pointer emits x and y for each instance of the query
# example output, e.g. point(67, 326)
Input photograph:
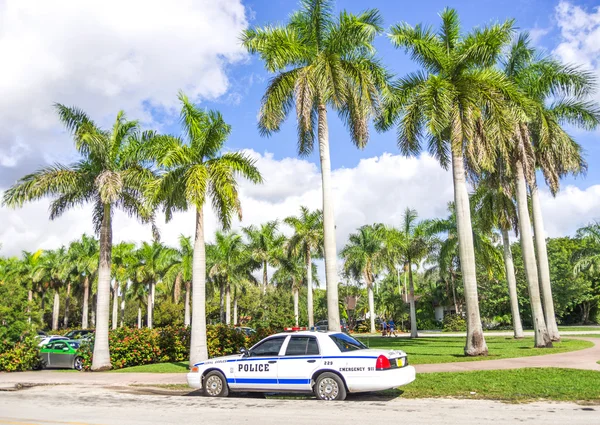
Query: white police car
point(330, 364)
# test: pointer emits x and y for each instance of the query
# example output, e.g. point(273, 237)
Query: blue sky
point(250, 79)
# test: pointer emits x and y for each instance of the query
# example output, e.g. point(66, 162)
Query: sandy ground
point(97, 405)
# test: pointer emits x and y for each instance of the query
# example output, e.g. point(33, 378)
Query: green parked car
point(61, 354)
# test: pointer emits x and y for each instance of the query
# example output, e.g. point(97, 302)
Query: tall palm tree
point(495, 208)
point(291, 274)
point(265, 244)
point(123, 261)
point(307, 241)
point(459, 98)
point(414, 243)
point(190, 172)
point(180, 272)
point(321, 62)
point(51, 270)
point(363, 259)
point(110, 176)
point(85, 255)
point(558, 95)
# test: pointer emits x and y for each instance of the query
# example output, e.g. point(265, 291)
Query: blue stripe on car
point(267, 381)
point(255, 359)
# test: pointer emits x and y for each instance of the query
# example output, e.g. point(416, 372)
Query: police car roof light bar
point(294, 329)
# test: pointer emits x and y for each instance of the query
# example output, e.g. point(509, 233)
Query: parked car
point(323, 325)
point(81, 334)
point(61, 354)
point(328, 364)
point(248, 331)
point(51, 338)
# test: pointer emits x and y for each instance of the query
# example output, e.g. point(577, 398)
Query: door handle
point(311, 361)
point(272, 361)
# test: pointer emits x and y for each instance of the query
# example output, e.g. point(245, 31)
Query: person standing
point(384, 327)
point(392, 328)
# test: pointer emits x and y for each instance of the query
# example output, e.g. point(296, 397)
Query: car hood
point(390, 354)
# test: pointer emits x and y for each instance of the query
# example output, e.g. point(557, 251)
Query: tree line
point(484, 103)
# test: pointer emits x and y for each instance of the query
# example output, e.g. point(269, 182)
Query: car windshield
point(347, 343)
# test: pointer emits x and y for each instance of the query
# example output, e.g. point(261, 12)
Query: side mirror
point(244, 352)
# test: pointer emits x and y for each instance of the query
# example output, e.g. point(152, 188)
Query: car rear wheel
point(78, 363)
point(215, 385)
point(329, 387)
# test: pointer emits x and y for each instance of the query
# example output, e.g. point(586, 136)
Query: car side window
point(49, 346)
point(270, 347)
point(302, 345)
point(59, 345)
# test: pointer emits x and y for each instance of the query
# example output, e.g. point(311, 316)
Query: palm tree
point(85, 256)
point(307, 241)
point(110, 176)
point(191, 171)
point(363, 259)
point(123, 261)
point(24, 271)
point(180, 271)
point(321, 62)
point(291, 274)
point(265, 244)
point(495, 208)
point(557, 95)
point(459, 99)
point(51, 270)
point(413, 245)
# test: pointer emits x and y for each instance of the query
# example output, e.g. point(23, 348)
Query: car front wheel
point(215, 385)
point(78, 363)
point(329, 387)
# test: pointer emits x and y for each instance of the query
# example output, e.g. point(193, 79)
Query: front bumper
point(194, 379)
point(381, 380)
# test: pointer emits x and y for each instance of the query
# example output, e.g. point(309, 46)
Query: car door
point(258, 370)
point(44, 354)
point(297, 365)
point(58, 355)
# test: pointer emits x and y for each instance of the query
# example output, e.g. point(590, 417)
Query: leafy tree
point(459, 98)
point(363, 259)
point(307, 241)
point(192, 170)
point(321, 62)
point(110, 176)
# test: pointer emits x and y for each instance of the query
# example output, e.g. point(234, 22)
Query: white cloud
point(571, 209)
point(580, 36)
point(106, 55)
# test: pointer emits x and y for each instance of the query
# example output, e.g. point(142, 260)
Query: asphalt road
point(78, 405)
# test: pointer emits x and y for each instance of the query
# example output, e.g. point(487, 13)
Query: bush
point(24, 355)
point(428, 325)
point(224, 340)
point(174, 343)
point(454, 323)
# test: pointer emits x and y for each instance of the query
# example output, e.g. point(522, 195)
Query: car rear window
point(302, 345)
point(346, 343)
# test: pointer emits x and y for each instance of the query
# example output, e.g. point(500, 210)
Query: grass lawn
point(509, 385)
point(588, 335)
point(579, 328)
point(175, 367)
point(447, 350)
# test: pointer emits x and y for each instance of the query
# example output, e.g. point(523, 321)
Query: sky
point(109, 55)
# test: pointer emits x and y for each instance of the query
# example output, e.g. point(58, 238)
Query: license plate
point(400, 362)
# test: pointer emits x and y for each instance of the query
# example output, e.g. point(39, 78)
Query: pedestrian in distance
point(384, 327)
point(392, 328)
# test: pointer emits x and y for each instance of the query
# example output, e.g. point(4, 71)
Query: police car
point(329, 364)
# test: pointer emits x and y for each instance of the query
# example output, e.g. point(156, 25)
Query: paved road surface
point(73, 405)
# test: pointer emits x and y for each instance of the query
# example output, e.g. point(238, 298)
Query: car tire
point(329, 387)
point(215, 385)
point(78, 363)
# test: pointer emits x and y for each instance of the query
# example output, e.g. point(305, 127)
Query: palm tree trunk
point(55, 310)
point(476, 345)
point(544, 268)
point(123, 301)
point(150, 308)
point(371, 307)
point(139, 317)
point(454, 293)
point(115, 307)
point(86, 298)
point(221, 303)
point(331, 276)
point(198, 347)
point(93, 314)
point(413, 311)
point(67, 302)
point(29, 302)
point(512, 286)
point(101, 360)
point(186, 316)
point(265, 278)
point(296, 309)
point(309, 291)
point(235, 311)
point(177, 289)
point(228, 304)
point(542, 339)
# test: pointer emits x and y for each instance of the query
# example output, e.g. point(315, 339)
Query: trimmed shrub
point(174, 343)
point(454, 323)
point(24, 355)
point(223, 340)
